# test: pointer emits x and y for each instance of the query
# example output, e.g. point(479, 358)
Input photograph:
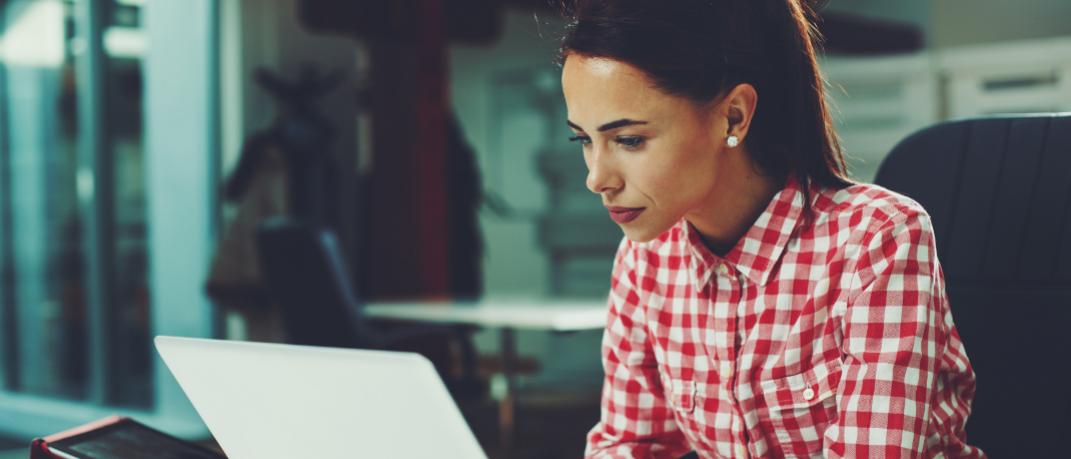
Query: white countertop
point(529, 313)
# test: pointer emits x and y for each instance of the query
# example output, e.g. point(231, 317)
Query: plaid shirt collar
point(755, 254)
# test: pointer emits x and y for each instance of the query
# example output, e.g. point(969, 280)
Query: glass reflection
point(42, 234)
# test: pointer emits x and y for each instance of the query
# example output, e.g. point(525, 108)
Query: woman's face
point(652, 157)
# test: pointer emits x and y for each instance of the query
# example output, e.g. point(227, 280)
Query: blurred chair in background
point(309, 280)
point(998, 190)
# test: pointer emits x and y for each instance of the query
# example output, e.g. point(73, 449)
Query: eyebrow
point(611, 125)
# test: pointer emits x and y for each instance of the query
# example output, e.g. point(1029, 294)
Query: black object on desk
point(117, 437)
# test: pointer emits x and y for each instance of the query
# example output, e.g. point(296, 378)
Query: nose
point(602, 174)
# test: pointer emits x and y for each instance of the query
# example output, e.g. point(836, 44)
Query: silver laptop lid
point(283, 401)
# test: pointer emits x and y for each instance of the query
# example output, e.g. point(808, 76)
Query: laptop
point(264, 400)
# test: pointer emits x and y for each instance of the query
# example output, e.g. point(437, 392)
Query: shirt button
point(723, 269)
point(808, 394)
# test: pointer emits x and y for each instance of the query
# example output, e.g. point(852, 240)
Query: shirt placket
point(726, 311)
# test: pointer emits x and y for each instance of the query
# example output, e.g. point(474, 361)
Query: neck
point(737, 200)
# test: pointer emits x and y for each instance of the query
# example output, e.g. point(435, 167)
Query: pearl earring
point(732, 141)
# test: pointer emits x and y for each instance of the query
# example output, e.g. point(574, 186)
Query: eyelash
point(630, 142)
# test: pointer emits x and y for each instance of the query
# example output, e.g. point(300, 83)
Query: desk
point(508, 315)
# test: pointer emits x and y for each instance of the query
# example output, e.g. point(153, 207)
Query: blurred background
point(143, 143)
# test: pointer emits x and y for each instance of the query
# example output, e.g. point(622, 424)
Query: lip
point(624, 214)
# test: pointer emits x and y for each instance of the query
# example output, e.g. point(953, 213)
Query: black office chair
point(999, 192)
point(307, 276)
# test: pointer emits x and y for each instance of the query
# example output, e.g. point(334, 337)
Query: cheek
point(679, 180)
point(662, 181)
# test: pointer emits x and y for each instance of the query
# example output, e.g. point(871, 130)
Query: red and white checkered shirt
point(828, 339)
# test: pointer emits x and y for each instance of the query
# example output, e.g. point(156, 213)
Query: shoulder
point(865, 209)
point(886, 231)
point(876, 227)
point(867, 201)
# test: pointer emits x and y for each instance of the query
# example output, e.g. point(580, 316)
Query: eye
point(583, 139)
point(631, 142)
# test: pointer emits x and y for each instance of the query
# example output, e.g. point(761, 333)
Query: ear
point(738, 108)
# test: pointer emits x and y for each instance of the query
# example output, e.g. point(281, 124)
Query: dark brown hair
point(701, 49)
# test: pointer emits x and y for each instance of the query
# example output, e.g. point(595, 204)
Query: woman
point(762, 303)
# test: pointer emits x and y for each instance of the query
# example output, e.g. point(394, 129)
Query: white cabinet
point(1019, 77)
point(877, 101)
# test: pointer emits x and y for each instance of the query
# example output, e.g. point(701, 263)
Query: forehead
point(598, 90)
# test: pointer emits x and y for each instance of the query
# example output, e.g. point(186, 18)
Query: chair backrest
point(307, 276)
point(999, 192)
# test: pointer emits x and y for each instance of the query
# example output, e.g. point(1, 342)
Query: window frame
point(181, 159)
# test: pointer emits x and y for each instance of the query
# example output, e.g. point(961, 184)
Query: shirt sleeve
point(636, 421)
point(893, 336)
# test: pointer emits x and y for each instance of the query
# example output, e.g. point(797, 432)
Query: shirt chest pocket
point(798, 408)
point(684, 396)
point(680, 393)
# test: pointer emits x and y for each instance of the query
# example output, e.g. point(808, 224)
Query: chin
point(644, 233)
